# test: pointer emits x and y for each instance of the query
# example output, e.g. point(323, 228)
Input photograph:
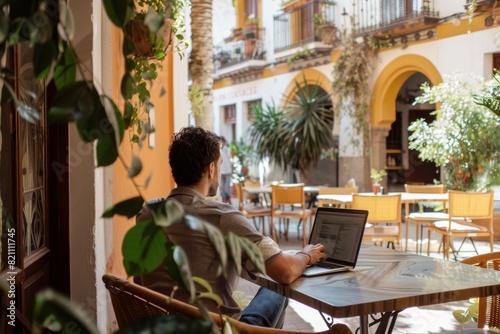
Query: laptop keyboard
point(327, 265)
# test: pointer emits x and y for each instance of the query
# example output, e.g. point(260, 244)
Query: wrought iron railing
point(239, 51)
point(298, 26)
point(376, 14)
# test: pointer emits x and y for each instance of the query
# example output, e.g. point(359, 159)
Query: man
point(225, 172)
point(195, 161)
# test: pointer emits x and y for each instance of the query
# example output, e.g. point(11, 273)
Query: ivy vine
point(351, 74)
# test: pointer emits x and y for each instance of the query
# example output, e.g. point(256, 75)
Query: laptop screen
point(341, 232)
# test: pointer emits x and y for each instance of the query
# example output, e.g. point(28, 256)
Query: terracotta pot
point(140, 35)
point(376, 188)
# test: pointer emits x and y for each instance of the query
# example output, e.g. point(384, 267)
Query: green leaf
point(214, 235)
point(43, 57)
point(153, 20)
point(106, 150)
point(254, 254)
point(41, 32)
point(127, 117)
point(167, 212)
point(28, 113)
point(4, 26)
point(52, 310)
point(73, 102)
point(114, 118)
point(127, 86)
point(135, 168)
point(66, 25)
point(65, 70)
point(143, 248)
point(128, 208)
point(234, 249)
point(15, 29)
point(119, 11)
point(461, 316)
point(178, 269)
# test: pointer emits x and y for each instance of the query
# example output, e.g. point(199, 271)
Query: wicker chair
point(254, 211)
point(468, 206)
point(132, 302)
point(489, 307)
point(289, 202)
point(422, 219)
point(384, 212)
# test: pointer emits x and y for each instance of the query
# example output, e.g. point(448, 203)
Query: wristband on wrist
point(309, 256)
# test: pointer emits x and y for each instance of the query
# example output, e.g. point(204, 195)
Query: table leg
point(417, 238)
point(363, 324)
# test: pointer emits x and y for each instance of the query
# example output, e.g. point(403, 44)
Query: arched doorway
point(325, 172)
point(391, 112)
point(403, 164)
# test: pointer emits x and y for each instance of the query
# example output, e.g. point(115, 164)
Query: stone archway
point(385, 91)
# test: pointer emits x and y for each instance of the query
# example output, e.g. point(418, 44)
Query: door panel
point(28, 256)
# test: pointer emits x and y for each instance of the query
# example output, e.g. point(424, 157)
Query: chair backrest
point(473, 205)
point(334, 191)
point(381, 209)
point(132, 302)
point(337, 190)
point(250, 183)
point(489, 307)
point(288, 194)
point(424, 188)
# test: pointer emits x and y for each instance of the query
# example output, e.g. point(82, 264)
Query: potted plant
point(242, 155)
point(377, 176)
point(325, 29)
point(148, 36)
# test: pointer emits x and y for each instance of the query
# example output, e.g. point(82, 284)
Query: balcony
point(395, 17)
point(302, 26)
point(243, 54)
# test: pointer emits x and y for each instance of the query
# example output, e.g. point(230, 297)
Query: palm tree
point(296, 137)
point(201, 63)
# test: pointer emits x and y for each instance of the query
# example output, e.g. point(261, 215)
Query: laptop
point(341, 232)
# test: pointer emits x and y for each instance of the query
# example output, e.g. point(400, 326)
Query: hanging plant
point(148, 36)
point(351, 74)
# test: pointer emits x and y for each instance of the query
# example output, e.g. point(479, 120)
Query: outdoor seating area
point(405, 211)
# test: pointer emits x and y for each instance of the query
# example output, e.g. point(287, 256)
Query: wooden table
point(388, 281)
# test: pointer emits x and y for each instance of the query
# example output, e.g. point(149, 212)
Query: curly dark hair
point(191, 151)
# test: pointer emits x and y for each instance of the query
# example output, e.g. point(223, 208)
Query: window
point(496, 61)
point(250, 116)
point(230, 114)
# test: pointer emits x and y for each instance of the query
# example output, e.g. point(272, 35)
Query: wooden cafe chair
point(288, 201)
point(384, 217)
point(132, 302)
point(463, 208)
point(254, 211)
point(489, 307)
point(422, 219)
point(335, 191)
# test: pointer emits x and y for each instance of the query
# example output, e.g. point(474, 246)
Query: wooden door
point(33, 248)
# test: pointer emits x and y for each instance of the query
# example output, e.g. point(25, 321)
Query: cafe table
point(385, 282)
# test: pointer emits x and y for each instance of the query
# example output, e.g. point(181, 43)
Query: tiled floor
point(414, 320)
